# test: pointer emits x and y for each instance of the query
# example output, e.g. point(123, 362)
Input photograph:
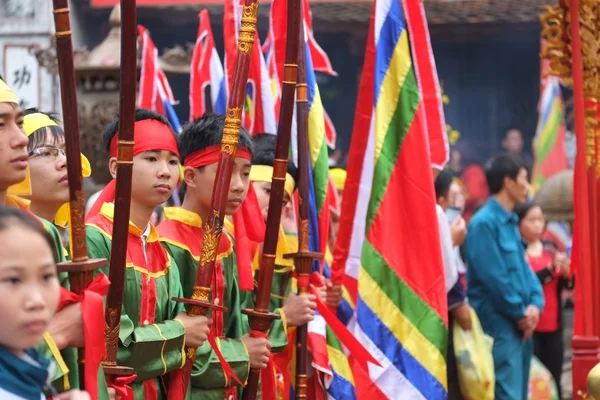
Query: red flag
point(206, 70)
point(428, 83)
point(259, 106)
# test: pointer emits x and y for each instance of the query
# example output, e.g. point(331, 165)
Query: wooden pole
point(199, 303)
point(260, 319)
point(303, 259)
point(80, 268)
point(118, 250)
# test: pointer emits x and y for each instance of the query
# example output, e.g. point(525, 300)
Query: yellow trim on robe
point(283, 320)
point(59, 359)
point(16, 202)
point(218, 342)
point(189, 218)
point(162, 350)
point(182, 215)
point(183, 356)
point(108, 210)
point(248, 354)
point(154, 275)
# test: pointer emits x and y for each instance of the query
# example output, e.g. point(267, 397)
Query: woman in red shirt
point(553, 270)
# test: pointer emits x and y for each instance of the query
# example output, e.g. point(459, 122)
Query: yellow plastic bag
point(474, 361)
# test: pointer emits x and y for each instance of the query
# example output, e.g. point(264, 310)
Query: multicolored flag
point(274, 49)
point(206, 70)
point(155, 91)
point(259, 107)
point(387, 252)
point(549, 142)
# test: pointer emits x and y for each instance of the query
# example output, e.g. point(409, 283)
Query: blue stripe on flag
point(341, 389)
point(172, 116)
point(391, 30)
point(548, 106)
point(221, 103)
point(385, 340)
point(311, 78)
point(345, 312)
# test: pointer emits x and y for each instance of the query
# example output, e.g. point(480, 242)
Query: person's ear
point(112, 167)
point(189, 176)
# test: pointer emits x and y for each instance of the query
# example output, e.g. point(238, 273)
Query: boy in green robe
point(283, 289)
point(154, 328)
point(181, 234)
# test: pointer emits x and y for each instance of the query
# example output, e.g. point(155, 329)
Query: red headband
point(210, 155)
point(149, 134)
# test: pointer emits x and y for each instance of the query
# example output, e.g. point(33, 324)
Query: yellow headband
point(339, 177)
point(35, 121)
point(264, 173)
point(6, 94)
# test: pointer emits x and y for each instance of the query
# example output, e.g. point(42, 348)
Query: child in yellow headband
point(48, 167)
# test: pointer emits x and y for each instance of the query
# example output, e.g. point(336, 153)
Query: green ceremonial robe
point(150, 340)
point(66, 371)
point(181, 234)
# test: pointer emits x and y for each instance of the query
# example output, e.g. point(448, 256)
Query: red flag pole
point(586, 342)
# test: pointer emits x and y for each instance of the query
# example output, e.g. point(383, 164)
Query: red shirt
point(549, 321)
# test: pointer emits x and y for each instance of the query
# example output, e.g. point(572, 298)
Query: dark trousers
point(549, 348)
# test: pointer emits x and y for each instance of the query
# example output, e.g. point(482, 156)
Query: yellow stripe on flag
point(407, 334)
point(339, 363)
point(316, 127)
point(387, 103)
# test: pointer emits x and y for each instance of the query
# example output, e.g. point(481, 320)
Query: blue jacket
point(500, 282)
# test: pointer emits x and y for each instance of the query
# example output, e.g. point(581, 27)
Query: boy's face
point(13, 146)
point(263, 193)
point(204, 179)
point(155, 176)
point(48, 168)
point(29, 288)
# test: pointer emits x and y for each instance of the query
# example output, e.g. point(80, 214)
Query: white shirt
point(450, 266)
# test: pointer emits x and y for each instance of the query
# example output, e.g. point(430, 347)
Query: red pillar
point(586, 343)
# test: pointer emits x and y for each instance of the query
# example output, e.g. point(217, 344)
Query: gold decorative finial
point(593, 382)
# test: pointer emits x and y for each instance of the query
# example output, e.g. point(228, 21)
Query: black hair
point(207, 131)
point(510, 128)
point(38, 137)
point(523, 209)
point(264, 153)
point(500, 167)
point(9, 216)
point(442, 183)
point(141, 114)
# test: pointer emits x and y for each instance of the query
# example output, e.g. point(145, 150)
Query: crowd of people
point(43, 330)
point(490, 232)
point(494, 235)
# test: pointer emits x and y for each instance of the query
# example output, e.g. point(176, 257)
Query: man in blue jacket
point(502, 288)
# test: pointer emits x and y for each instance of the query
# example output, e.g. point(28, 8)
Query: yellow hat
point(264, 173)
point(6, 94)
point(339, 177)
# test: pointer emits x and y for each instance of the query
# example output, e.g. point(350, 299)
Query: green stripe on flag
point(320, 176)
point(414, 308)
point(547, 143)
point(396, 132)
